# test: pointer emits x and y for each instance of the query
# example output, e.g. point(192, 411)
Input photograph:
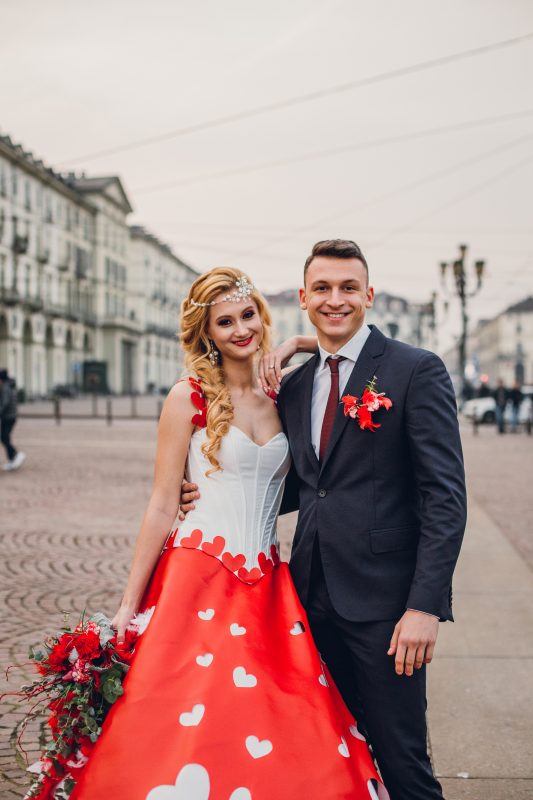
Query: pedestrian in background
point(8, 415)
point(501, 395)
point(515, 396)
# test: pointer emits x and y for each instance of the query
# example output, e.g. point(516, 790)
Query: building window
point(27, 195)
point(3, 187)
point(48, 216)
point(14, 183)
point(2, 271)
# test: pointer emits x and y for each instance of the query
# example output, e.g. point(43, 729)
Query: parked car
point(483, 409)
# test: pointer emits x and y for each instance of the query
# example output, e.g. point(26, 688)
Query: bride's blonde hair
point(195, 341)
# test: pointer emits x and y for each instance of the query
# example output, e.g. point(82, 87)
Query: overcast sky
point(395, 163)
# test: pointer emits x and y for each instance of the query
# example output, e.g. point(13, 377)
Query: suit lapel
point(363, 371)
point(306, 409)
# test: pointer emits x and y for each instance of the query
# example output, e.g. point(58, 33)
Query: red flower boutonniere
point(370, 401)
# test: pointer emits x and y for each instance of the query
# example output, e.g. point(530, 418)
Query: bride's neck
point(239, 376)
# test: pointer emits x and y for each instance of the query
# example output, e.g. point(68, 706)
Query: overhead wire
point(399, 190)
point(332, 151)
point(302, 99)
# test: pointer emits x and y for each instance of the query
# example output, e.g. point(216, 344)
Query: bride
point(227, 697)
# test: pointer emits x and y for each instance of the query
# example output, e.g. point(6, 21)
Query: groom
point(382, 511)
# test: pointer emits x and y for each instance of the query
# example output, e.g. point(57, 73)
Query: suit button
point(322, 493)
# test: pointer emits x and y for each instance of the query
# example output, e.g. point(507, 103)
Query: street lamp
point(459, 271)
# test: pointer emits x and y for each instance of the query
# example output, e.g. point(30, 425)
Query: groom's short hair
point(337, 248)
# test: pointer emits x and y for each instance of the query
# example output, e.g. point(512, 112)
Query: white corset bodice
point(238, 504)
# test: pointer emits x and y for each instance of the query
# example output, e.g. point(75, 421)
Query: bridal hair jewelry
point(243, 291)
point(213, 353)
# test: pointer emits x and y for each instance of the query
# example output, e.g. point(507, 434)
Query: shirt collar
point(350, 350)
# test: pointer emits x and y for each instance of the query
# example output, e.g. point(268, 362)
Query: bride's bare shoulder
point(185, 401)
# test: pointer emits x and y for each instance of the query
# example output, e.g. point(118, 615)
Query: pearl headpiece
point(243, 291)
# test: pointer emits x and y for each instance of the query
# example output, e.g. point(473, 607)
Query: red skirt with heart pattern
point(227, 699)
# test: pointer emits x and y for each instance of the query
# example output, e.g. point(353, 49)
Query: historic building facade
point(503, 347)
point(72, 287)
point(160, 281)
point(394, 316)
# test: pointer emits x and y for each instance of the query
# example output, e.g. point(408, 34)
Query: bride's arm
point(273, 365)
point(173, 438)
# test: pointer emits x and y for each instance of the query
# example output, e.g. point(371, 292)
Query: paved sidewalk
point(69, 519)
point(481, 683)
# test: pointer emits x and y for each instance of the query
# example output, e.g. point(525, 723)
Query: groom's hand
point(189, 493)
point(413, 641)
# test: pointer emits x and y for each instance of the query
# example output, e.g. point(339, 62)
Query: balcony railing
point(9, 296)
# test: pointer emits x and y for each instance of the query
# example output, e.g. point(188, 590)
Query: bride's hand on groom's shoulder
point(272, 364)
point(413, 641)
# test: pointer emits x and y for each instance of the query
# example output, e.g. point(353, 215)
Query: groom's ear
point(303, 299)
point(369, 297)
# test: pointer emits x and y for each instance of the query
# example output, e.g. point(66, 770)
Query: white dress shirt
point(322, 381)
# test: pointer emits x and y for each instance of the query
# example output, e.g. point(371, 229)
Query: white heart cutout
point(258, 748)
point(297, 628)
point(343, 748)
point(236, 629)
point(243, 680)
point(356, 733)
point(322, 679)
point(380, 794)
point(192, 782)
point(208, 614)
point(189, 719)
point(241, 794)
point(206, 660)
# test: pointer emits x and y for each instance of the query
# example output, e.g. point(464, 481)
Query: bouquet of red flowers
point(81, 674)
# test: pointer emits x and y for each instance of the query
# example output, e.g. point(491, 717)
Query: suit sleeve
point(291, 492)
point(436, 452)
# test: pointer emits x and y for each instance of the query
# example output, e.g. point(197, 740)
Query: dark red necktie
point(331, 406)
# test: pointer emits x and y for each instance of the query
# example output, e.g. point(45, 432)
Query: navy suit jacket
point(389, 506)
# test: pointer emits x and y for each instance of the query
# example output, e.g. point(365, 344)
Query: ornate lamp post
point(459, 272)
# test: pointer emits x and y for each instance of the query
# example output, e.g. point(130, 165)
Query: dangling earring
point(213, 353)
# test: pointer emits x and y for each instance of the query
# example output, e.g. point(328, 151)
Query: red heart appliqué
point(198, 400)
point(193, 541)
point(249, 575)
point(233, 563)
point(215, 547)
point(171, 539)
point(265, 563)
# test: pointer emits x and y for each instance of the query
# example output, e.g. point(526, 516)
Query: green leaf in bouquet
point(36, 654)
point(112, 690)
point(90, 723)
point(104, 623)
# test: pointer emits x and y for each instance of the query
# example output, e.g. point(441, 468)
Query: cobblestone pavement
point(71, 514)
